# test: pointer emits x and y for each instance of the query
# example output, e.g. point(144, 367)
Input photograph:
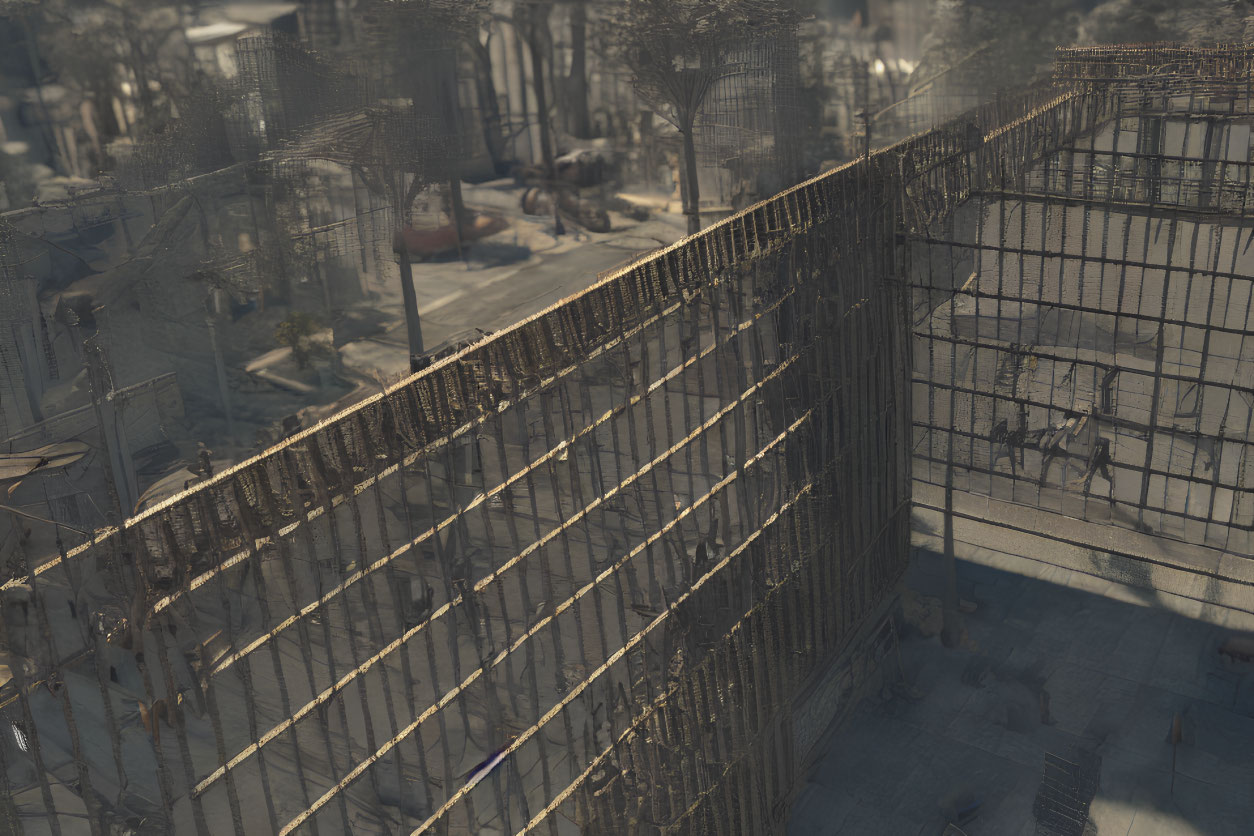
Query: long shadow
point(1044, 668)
point(486, 254)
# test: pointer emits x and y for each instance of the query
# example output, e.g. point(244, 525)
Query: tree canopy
point(678, 49)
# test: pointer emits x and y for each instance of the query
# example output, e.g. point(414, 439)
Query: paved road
point(1116, 663)
point(506, 278)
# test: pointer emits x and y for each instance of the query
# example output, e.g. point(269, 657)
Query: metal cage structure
point(1081, 348)
point(576, 576)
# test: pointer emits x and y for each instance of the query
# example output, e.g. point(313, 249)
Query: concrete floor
point(1117, 663)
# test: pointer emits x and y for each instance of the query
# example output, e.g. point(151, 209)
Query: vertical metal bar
point(1158, 366)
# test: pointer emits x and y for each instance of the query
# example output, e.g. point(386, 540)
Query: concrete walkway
point(1116, 665)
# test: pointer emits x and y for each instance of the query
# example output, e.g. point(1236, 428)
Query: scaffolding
point(748, 129)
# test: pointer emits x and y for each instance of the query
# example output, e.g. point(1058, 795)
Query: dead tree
point(101, 49)
point(579, 121)
point(412, 51)
point(679, 49)
point(415, 140)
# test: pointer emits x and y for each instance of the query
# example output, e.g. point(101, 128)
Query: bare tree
point(579, 122)
point(413, 50)
point(532, 18)
point(411, 137)
point(679, 49)
point(105, 47)
point(391, 159)
point(479, 46)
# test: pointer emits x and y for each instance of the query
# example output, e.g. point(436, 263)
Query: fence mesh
point(552, 538)
point(1080, 326)
point(603, 550)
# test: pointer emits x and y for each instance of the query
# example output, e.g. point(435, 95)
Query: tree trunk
point(406, 215)
point(219, 367)
point(692, 194)
point(457, 210)
point(489, 105)
point(106, 119)
point(539, 15)
point(888, 73)
point(577, 84)
point(413, 324)
point(139, 67)
point(46, 128)
point(647, 146)
point(536, 47)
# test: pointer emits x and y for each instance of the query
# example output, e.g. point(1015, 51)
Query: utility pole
point(413, 325)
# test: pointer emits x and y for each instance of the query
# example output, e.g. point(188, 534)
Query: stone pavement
point(1117, 664)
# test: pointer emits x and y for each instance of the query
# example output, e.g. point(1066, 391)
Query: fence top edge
point(463, 355)
point(1154, 48)
point(469, 352)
